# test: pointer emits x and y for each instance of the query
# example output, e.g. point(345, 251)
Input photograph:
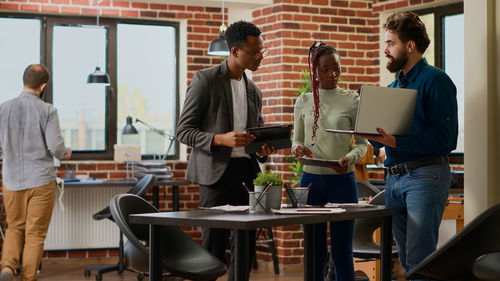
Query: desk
point(156, 186)
point(243, 222)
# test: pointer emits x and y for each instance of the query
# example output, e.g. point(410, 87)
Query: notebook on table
point(391, 109)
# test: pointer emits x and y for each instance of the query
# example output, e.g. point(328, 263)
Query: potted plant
point(271, 197)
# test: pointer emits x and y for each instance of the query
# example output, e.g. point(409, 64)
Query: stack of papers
point(348, 205)
point(301, 211)
point(227, 208)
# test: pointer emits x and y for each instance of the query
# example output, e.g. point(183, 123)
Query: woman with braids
point(329, 107)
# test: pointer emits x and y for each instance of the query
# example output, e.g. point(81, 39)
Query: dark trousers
point(228, 190)
point(337, 188)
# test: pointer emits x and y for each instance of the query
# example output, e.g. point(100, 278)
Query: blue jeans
point(339, 188)
point(423, 192)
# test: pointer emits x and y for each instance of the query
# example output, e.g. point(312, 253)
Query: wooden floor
point(56, 269)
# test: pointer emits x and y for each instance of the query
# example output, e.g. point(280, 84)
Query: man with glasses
point(221, 103)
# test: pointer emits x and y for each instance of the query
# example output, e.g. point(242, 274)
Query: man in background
point(221, 103)
point(30, 138)
point(419, 175)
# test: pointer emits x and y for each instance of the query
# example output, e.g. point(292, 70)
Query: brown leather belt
point(403, 168)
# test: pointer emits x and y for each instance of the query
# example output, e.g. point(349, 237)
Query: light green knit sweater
point(337, 110)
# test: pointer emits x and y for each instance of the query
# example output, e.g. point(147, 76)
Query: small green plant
point(266, 177)
point(305, 86)
point(297, 169)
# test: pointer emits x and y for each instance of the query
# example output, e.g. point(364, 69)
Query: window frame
point(46, 34)
point(439, 13)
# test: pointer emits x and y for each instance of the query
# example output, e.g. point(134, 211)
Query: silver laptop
point(391, 109)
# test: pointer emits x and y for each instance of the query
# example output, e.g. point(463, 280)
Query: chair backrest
point(139, 189)
point(366, 189)
point(456, 258)
point(378, 199)
point(121, 207)
point(142, 186)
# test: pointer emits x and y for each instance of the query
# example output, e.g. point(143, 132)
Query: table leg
point(175, 198)
point(155, 268)
point(309, 273)
point(156, 196)
point(386, 249)
point(241, 252)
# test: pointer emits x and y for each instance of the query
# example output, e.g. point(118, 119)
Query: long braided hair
point(316, 50)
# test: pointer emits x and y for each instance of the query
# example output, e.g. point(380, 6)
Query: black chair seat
point(181, 255)
point(469, 255)
point(140, 188)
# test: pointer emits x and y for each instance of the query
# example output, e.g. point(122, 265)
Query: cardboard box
point(124, 152)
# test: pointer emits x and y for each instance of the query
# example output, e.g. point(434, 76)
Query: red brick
point(30, 7)
point(39, 1)
point(339, 3)
point(9, 6)
point(70, 10)
point(127, 13)
point(176, 8)
point(354, 4)
point(123, 4)
point(80, 2)
point(320, 2)
point(166, 15)
point(56, 254)
point(139, 5)
point(110, 12)
point(98, 253)
point(77, 254)
point(195, 8)
point(88, 11)
point(50, 9)
point(148, 14)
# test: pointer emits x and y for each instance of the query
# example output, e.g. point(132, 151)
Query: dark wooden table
point(156, 187)
point(243, 222)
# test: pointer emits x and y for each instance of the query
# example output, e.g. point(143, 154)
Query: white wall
point(481, 106)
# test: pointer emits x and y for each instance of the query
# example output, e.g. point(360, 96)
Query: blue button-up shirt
point(435, 124)
point(29, 139)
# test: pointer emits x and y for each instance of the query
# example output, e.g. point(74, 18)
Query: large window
point(141, 58)
point(17, 52)
point(445, 26)
point(146, 67)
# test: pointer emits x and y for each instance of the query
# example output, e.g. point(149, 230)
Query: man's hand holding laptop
point(384, 138)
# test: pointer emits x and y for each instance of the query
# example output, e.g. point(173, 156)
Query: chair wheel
point(98, 277)
point(140, 276)
point(86, 273)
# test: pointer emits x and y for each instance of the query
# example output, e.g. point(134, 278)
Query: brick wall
point(289, 28)
point(202, 27)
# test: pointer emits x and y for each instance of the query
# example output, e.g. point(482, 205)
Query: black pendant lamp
point(129, 128)
point(98, 77)
point(218, 46)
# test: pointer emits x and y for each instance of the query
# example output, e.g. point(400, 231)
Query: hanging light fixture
point(98, 76)
point(218, 46)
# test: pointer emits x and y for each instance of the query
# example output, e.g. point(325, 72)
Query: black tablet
point(318, 162)
point(277, 136)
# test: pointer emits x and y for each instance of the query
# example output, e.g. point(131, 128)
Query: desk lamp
point(129, 129)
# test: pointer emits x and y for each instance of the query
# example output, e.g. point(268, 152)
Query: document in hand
point(318, 162)
point(277, 136)
point(391, 109)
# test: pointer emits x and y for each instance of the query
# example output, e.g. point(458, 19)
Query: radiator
point(74, 227)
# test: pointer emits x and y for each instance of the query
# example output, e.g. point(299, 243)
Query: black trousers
point(228, 190)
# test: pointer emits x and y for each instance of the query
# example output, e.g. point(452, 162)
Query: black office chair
point(366, 189)
point(472, 254)
point(139, 189)
point(364, 246)
point(181, 255)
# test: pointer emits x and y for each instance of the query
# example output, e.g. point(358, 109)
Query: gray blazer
point(208, 110)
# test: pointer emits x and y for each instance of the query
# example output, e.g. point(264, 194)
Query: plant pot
point(270, 200)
